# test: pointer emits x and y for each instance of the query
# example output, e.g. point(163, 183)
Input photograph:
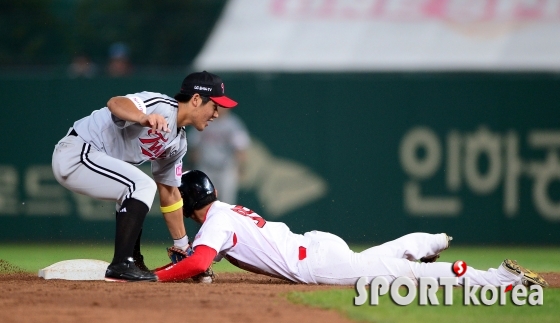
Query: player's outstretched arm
point(188, 267)
point(124, 109)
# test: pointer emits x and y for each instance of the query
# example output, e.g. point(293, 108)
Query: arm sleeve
point(138, 101)
point(168, 171)
point(191, 266)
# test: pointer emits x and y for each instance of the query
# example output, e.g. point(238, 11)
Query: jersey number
point(260, 222)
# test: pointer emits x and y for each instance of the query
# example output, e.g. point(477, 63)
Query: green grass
point(389, 312)
point(32, 257)
point(541, 259)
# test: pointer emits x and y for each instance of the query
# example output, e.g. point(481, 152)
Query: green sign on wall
point(369, 157)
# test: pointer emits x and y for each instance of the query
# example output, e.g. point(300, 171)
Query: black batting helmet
point(197, 191)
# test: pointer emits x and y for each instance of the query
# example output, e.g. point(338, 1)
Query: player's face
point(207, 113)
point(210, 112)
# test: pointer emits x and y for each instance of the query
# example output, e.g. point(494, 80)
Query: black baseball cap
point(207, 84)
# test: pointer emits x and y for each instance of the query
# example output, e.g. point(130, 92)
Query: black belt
point(73, 133)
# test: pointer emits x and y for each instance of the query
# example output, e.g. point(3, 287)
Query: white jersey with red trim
point(134, 143)
point(252, 243)
point(316, 257)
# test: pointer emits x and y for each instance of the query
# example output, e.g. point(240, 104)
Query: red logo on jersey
point(242, 210)
point(154, 145)
point(259, 221)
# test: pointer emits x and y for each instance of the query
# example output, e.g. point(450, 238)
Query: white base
point(76, 269)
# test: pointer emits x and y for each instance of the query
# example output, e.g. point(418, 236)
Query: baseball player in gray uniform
point(98, 155)
point(220, 151)
point(252, 243)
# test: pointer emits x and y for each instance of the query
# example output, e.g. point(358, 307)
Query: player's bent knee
point(145, 190)
point(151, 186)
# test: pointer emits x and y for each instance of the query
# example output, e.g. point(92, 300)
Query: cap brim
point(223, 101)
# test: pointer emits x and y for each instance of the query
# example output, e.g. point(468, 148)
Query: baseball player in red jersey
point(254, 244)
point(98, 155)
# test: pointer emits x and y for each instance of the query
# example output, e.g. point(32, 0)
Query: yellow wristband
point(172, 207)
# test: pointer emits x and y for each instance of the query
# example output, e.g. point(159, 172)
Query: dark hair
point(181, 97)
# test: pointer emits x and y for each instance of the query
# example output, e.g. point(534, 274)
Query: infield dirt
point(234, 297)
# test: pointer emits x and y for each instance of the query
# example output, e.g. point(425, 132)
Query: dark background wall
point(471, 154)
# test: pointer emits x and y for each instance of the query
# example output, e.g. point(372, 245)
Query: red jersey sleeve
point(200, 260)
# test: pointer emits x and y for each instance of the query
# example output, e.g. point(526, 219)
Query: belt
point(73, 133)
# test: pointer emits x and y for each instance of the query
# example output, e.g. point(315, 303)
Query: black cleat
point(139, 262)
point(128, 272)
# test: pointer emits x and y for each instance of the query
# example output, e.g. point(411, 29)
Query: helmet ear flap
point(187, 212)
point(197, 191)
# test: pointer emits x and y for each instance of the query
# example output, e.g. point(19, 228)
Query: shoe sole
point(115, 280)
point(529, 277)
point(122, 280)
point(449, 239)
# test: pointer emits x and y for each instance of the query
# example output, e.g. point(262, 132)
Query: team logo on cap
point(223, 90)
point(203, 88)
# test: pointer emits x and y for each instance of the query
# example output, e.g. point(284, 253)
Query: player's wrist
point(182, 243)
point(141, 118)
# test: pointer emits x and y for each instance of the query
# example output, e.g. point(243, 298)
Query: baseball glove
point(177, 254)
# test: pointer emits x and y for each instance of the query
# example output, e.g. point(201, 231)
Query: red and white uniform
point(254, 244)
point(249, 242)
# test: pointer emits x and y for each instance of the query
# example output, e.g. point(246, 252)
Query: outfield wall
point(369, 157)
